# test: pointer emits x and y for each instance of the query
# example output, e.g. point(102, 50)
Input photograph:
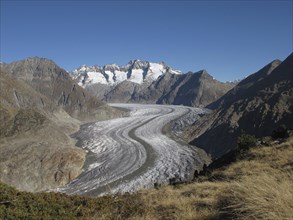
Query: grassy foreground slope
point(258, 186)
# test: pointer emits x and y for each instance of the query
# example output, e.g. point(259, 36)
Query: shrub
point(280, 132)
point(244, 142)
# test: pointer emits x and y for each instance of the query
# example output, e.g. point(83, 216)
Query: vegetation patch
point(244, 143)
point(23, 121)
point(264, 196)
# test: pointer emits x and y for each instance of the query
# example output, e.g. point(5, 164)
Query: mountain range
point(41, 104)
point(257, 105)
point(147, 82)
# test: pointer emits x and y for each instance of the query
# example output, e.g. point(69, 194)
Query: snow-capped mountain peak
point(111, 67)
point(136, 71)
point(138, 64)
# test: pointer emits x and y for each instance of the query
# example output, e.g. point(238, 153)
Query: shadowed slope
point(257, 105)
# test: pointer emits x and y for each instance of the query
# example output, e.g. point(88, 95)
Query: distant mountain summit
point(135, 71)
point(148, 82)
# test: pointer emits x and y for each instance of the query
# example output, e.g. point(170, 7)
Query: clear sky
point(230, 39)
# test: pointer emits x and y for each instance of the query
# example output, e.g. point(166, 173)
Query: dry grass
point(264, 196)
point(263, 186)
point(190, 201)
point(257, 187)
point(262, 159)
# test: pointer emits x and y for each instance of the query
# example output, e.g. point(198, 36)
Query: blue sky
point(230, 39)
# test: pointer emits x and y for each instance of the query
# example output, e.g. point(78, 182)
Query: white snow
point(120, 76)
point(82, 68)
point(119, 73)
point(176, 72)
point(136, 76)
point(96, 77)
point(111, 75)
point(155, 71)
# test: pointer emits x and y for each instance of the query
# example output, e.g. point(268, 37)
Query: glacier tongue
point(130, 153)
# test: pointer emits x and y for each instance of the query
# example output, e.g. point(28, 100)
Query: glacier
point(130, 153)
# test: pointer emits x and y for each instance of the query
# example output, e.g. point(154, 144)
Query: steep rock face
point(50, 80)
point(121, 93)
point(193, 89)
point(145, 82)
point(36, 152)
point(257, 105)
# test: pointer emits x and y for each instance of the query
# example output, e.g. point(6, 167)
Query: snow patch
point(120, 76)
point(110, 77)
point(155, 71)
point(136, 76)
point(177, 72)
point(96, 77)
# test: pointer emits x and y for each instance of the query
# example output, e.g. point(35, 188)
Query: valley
point(129, 153)
point(146, 110)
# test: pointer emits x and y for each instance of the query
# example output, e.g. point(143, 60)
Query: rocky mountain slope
point(47, 78)
point(191, 89)
point(36, 152)
point(40, 106)
point(146, 82)
point(257, 105)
